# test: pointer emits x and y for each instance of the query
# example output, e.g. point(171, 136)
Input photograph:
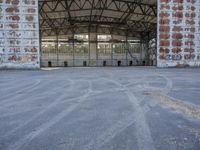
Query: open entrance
point(131, 63)
point(119, 63)
point(49, 64)
point(84, 63)
point(65, 64)
point(104, 63)
point(98, 33)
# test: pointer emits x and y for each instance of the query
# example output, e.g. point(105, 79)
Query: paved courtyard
point(131, 108)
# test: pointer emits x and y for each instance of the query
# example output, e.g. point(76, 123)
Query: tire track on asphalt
point(143, 134)
point(17, 82)
point(33, 86)
point(17, 113)
point(139, 89)
point(166, 89)
point(168, 86)
point(109, 134)
point(29, 137)
point(40, 112)
point(10, 102)
point(23, 85)
point(162, 97)
point(185, 108)
point(145, 90)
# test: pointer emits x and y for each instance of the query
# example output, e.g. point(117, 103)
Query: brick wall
point(19, 34)
point(178, 33)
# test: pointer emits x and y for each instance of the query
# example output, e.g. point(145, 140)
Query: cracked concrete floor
point(131, 108)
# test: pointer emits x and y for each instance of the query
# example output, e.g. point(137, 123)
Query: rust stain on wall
point(178, 33)
point(19, 34)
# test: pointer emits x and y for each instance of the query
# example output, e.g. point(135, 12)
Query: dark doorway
point(49, 64)
point(84, 63)
point(131, 63)
point(104, 63)
point(119, 63)
point(65, 64)
point(143, 63)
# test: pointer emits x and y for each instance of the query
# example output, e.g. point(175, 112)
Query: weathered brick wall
point(19, 34)
point(178, 33)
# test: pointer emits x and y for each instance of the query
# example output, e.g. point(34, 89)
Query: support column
point(73, 47)
point(147, 62)
point(56, 46)
point(93, 49)
point(126, 48)
point(112, 51)
point(40, 47)
point(143, 52)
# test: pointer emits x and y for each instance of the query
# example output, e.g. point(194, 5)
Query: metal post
point(147, 51)
point(126, 49)
point(89, 45)
point(57, 49)
point(96, 40)
point(156, 52)
point(73, 51)
point(40, 47)
point(141, 51)
point(112, 50)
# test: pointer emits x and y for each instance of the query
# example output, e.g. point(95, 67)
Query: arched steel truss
point(134, 18)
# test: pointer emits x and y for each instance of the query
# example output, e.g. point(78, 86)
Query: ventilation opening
point(152, 63)
point(119, 63)
point(131, 63)
point(143, 63)
point(65, 64)
point(49, 64)
point(104, 63)
point(85, 63)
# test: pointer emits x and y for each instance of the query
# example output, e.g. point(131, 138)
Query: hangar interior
point(98, 32)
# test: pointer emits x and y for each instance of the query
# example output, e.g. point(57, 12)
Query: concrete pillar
point(57, 53)
point(126, 49)
point(93, 56)
point(147, 55)
point(73, 46)
point(142, 53)
point(112, 51)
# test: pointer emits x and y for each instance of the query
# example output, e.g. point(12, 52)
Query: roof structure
point(135, 18)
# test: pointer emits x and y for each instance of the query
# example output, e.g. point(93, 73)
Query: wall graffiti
point(178, 32)
point(19, 34)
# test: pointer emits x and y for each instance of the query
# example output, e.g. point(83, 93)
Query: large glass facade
point(106, 49)
point(81, 48)
point(119, 48)
point(48, 47)
point(65, 47)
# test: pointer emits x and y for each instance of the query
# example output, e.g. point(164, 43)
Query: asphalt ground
point(127, 108)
